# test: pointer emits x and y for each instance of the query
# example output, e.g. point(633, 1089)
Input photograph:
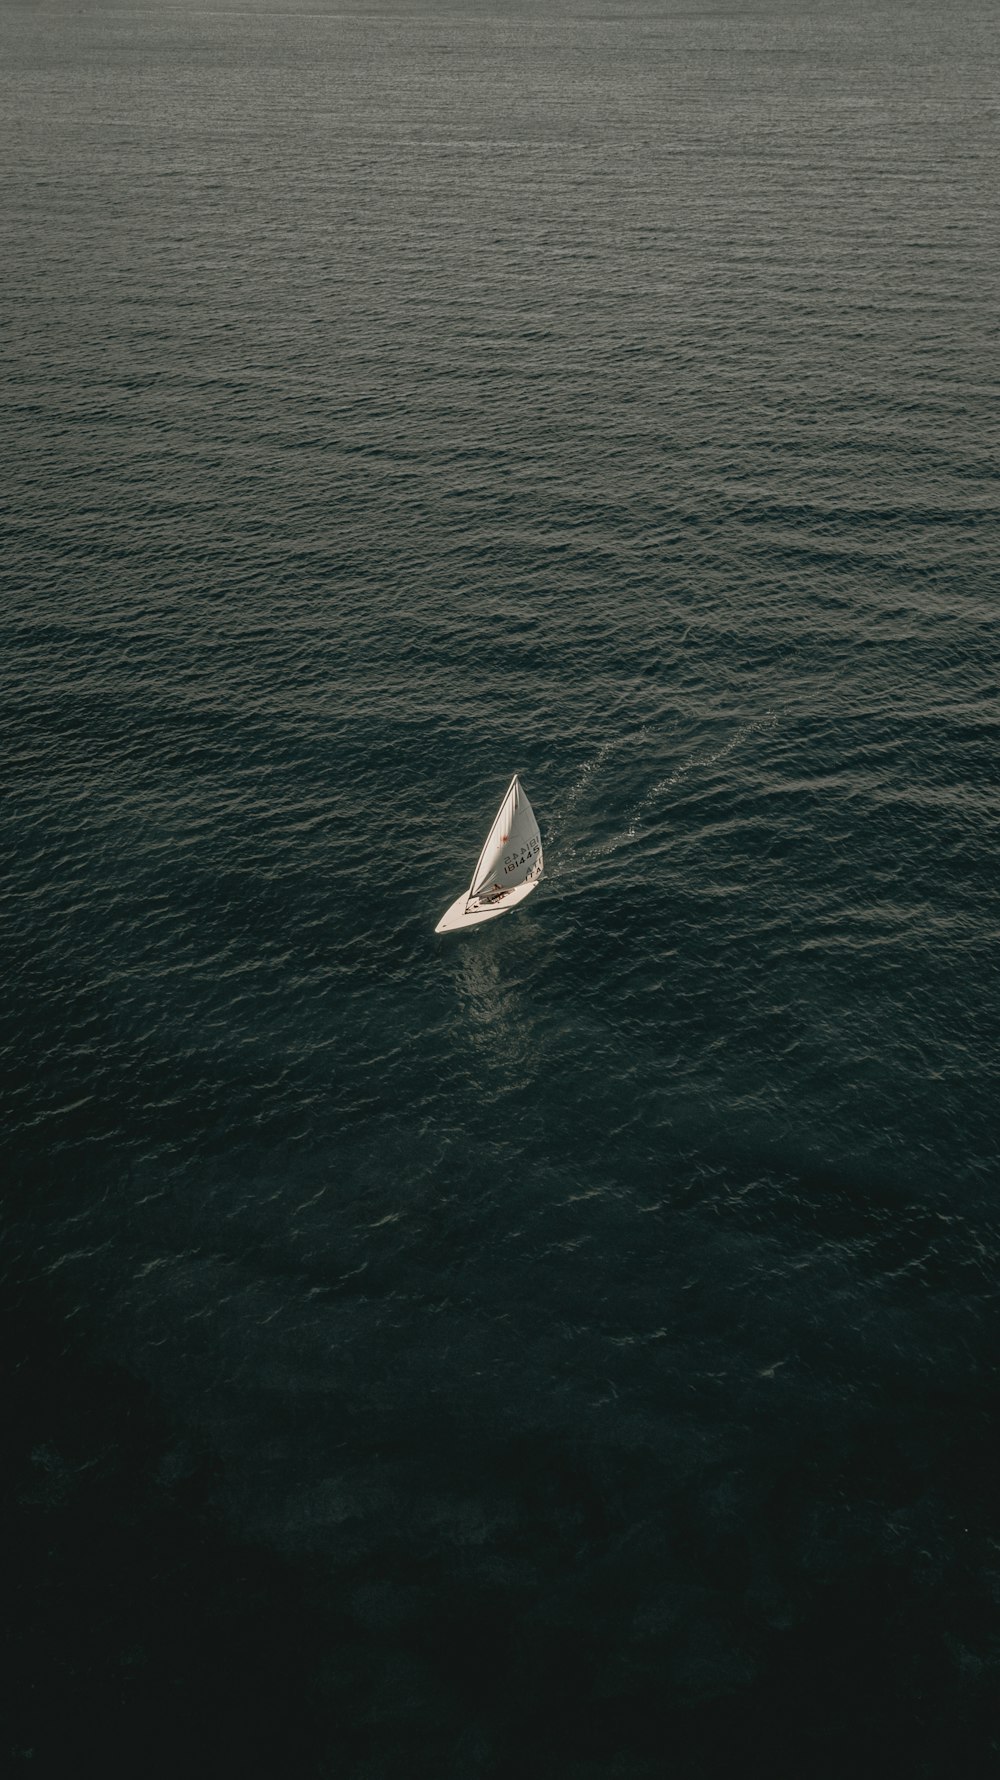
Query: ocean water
point(569, 1348)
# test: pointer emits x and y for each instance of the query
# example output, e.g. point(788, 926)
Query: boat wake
point(581, 785)
point(699, 762)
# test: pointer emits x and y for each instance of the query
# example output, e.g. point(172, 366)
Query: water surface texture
point(565, 1349)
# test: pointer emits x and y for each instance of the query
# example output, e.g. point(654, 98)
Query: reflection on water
point(495, 1008)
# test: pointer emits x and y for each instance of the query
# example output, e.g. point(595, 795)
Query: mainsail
point(513, 850)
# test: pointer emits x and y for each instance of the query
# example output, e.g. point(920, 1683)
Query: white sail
point(509, 865)
point(513, 850)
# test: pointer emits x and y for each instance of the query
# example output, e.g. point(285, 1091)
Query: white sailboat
point(509, 867)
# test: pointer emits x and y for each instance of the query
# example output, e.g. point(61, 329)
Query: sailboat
point(509, 867)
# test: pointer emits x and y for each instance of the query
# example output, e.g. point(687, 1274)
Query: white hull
point(469, 911)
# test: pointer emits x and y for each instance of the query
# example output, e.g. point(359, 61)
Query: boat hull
point(459, 915)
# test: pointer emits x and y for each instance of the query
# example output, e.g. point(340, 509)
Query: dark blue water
point(566, 1349)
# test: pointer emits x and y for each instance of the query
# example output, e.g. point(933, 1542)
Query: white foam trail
point(580, 786)
point(696, 763)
